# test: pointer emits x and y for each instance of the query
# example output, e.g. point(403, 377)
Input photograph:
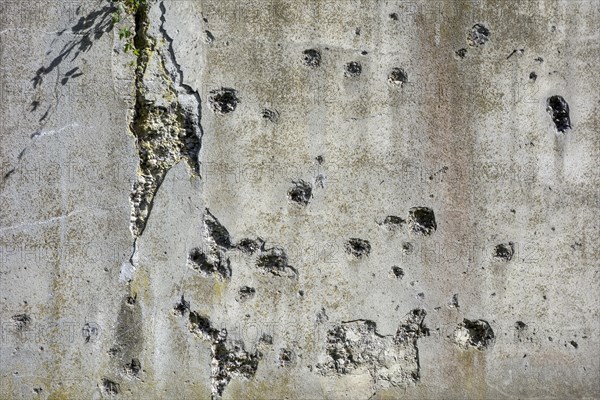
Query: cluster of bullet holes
point(478, 35)
point(312, 58)
point(505, 251)
point(133, 368)
point(397, 272)
point(476, 334)
point(422, 220)
point(352, 69)
point(397, 77)
point(270, 115)
point(111, 388)
point(275, 261)
point(223, 101)
point(210, 263)
point(358, 247)
point(245, 293)
point(301, 192)
point(559, 110)
point(182, 307)
point(286, 357)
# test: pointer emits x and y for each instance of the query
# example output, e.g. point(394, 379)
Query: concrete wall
point(283, 199)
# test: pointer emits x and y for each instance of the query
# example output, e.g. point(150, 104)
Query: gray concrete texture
point(283, 199)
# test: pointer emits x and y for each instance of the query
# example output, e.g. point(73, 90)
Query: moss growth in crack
point(165, 133)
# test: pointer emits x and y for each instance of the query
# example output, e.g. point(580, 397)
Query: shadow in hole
point(88, 29)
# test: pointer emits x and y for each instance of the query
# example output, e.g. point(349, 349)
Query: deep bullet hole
point(520, 325)
point(286, 357)
point(394, 16)
point(533, 76)
point(21, 321)
point(320, 159)
point(398, 272)
point(352, 69)
point(182, 307)
point(110, 387)
point(393, 222)
point(209, 37)
point(223, 101)
point(474, 334)
point(200, 325)
point(231, 359)
point(397, 77)
point(478, 35)
point(422, 220)
point(275, 261)
point(505, 251)
point(574, 343)
point(131, 300)
point(454, 301)
point(300, 193)
point(134, 367)
point(312, 58)
point(245, 293)
point(357, 31)
point(217, 231)
point(356, 347)
point(407, 248)
point(209, 264)
point(461, 53)
point(301, 293)
point(358, 247)
point(559, 110)
point(270, 115)
point(364, 52)
point(249, 246)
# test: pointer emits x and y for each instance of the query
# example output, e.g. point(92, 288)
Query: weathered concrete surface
point(283, 199)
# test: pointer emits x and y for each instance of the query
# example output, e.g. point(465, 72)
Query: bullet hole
point(397, 272)
point(286, 357)
point(131, 300)
point(352, 69)
point(208, 37)
point(200, 325)
point(134, 367)
point(516, 51)
point(478, 35)
point(364, 52)
point(110, 387)
point(21, 321)
point(477, 334)
point(270, 115)
point(209, 264)
point(245, 293)
point(223, 101)
point(320, 159)
point(421, 296)
point(182, 307)
point(217, 231)
point(574, 344)
point(505, 251)
point(90, 331)
point(249, 246)
point(357, 31)
point(454, 301)
point(37, 390)
point(422, 220)
point(397, 77)
point(393, 222)
point(358, 247)
point(266, 339)
point(322, 316)
point(113, 351)
point(461, 53)
point(407, 248)
point(312, 58)
point(300, 193)
point(539, 59)
point(301, 293)
point(559, 110)
point(394, 16)
point(275, 261)
point(533, 76)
